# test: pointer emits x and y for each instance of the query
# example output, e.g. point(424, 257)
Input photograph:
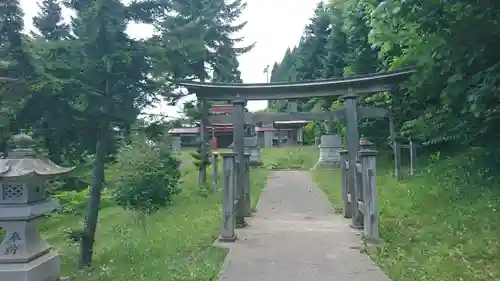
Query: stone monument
point(251, 146)
point(329, 149)
point(24, 255)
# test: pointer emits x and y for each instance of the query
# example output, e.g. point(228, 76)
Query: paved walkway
point(294, 236)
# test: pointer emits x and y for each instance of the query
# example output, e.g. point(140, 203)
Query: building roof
point(292, 122)
point(224, 128)
point(184, 131)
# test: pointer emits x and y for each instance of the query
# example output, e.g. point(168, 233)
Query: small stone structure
point(251, 147)
point(24, 255)
point(247, 197)
point(329, 152)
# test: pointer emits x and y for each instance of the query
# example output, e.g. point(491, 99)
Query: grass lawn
point(175, 245)
point(433, 228)
point(290, 157)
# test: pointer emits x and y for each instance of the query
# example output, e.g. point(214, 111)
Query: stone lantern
point(24, 255)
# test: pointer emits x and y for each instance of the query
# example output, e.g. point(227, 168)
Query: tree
point(15, 62)
point(199, 36)
point(111, 84)
point(49, 21)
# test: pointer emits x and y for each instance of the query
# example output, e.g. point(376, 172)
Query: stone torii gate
point(348, 87)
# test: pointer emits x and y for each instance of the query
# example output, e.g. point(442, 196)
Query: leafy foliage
point(452, 101)
point(150, 177)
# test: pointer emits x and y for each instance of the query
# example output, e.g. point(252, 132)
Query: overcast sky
point(274, 25)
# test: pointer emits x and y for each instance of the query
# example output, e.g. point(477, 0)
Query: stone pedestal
point(252, 148)
point(329, 149)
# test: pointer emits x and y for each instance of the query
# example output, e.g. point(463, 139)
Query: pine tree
point(49, 21)
point(199, 36)
point(113, 78)
point(16, 62)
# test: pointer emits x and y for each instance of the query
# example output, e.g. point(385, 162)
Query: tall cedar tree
point(114, 84)
point(49, 21)
point(199, 36)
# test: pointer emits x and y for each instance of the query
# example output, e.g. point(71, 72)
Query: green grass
point(290, 157)
point(434, 226)
point(330, 182)
point(177, 243)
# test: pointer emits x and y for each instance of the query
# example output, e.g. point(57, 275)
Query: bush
point(150, 176)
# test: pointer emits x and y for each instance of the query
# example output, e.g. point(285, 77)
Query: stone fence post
point(413, 156)
point(247, 206)
point(228, 198)
point(370, 210)
point(215, 175)
point(346, 196)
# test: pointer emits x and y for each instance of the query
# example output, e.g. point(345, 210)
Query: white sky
point(274, 25)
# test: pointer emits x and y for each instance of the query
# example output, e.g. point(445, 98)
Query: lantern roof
point(22, 161)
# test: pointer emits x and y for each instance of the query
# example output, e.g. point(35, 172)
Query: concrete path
point(294, 236)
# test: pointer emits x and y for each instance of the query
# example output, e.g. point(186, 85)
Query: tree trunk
point(92, 212)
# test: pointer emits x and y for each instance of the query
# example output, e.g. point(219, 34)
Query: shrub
point(150, 176)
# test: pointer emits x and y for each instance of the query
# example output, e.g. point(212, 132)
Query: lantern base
point(44, 268)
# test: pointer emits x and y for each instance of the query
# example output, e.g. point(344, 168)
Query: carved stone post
point(346, 196)
point(24, 255)
point(239, 149)
point(329, 152)
point(215, 175)
point(228, 197)
point(413, 157)
point(351, 120)
point(247, 191)
point(252, 148)
point(371, 216)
